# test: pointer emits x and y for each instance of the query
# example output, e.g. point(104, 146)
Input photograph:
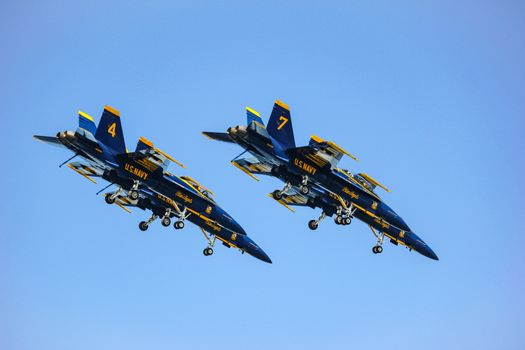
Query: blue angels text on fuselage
point(142, 181)
point(312, 177)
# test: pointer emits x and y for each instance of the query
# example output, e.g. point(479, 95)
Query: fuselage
point(167, 190)
point(292, 166)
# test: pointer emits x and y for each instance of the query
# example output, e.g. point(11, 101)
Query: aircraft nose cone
point(423, 249)
point(254, 250)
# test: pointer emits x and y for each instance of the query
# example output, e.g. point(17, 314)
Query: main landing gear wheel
point(207, 251)
point(143, 226)
point(304, 190)
point(166, 222)
point(377, 249)
point(347, 221)
point(178, 225)
point(277, 195)
point(109, 199)
point(312, 224)
point(134, 194)
point(338, 219)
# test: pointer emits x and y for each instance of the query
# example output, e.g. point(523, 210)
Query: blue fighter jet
point(312, 178)
point(142, 181)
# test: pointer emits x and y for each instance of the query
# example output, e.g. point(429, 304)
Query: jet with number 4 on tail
point(142, 181)
point(313, 179)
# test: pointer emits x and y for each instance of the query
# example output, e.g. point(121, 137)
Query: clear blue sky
point(429, 95)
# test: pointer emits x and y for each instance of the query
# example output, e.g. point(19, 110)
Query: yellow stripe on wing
point(81, 173)
point(282, 203)
point(244, 170)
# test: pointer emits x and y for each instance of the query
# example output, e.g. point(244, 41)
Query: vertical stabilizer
point(109, 130)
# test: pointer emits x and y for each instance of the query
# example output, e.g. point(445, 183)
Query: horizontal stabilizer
point(219, 136)
point(50, 140)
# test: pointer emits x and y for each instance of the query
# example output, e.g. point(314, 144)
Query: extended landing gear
point(166, 221)
point(211, 242)
point(314, 224)
point(110, 198)
point(143, 225)
point(342, 220)
point(133, 192)
point(378, 249)
point(304, 189)
point(278, 194)
point(179, 224)
point(344, 214)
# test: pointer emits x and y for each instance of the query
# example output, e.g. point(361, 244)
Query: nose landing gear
point(378, 249)
point(211, 242)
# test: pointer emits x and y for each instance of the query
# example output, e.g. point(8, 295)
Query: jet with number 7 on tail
point(142, 181)
point(312, 178)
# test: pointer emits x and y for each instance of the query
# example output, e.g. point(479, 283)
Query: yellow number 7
point(284, 121)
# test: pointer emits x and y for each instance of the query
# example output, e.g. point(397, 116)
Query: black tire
point(338, 220)
point(312, 224)
point(379, 249)
point(143, 226)
point(347, 221)
point(277, 195)
point(134, 194)
point(210, 251)
point(205, 252)
point(166, 222)
point(109, 199)
point(179, 225)
point(304, 190)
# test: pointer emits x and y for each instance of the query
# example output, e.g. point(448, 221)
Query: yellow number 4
point(111, 129)
point(284, 121)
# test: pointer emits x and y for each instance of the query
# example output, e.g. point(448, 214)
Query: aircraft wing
point(252, 166)
point(86, 170)
point(152, 158)
point(322, 151)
